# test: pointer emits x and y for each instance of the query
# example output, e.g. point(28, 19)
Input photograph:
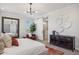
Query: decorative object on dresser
point(67, 42)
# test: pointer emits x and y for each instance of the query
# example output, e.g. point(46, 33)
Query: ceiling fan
point(31, 11)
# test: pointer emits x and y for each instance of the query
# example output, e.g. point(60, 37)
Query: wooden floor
point(66, 51)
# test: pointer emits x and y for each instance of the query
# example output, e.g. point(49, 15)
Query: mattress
point(26, 47)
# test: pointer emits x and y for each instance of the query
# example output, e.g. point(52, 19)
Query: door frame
point(45, 23)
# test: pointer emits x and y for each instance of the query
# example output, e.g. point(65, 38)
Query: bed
point(26, 47)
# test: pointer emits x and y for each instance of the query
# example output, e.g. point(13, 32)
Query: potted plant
point(33, 28)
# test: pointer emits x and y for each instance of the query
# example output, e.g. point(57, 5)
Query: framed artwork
point(10, 25)
point(63, 23)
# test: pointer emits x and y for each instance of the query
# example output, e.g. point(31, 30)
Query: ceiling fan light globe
point(28, 11)
point(36, 11)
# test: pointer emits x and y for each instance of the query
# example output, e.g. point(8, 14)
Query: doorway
point(45, 31)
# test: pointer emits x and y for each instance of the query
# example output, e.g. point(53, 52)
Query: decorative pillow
point(1, 46)
point(7, 40)
point(29, 34)
point(15, 42)
point(11, 34)
point(1, 35)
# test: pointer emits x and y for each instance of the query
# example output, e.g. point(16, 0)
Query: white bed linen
point(26, 47)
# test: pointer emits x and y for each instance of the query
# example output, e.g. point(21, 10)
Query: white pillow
point(1, 35)
point(7, 40)
point(1, 46)
point(10, 34)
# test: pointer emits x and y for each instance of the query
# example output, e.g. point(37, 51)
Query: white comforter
point(26, 47)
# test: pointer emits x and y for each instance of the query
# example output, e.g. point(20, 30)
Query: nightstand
point(53, 51)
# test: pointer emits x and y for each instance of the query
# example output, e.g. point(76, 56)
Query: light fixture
point(30, 11)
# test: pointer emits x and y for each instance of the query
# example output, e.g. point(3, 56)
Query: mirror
point(10, 25)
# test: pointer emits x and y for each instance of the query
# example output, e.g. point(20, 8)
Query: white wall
point(39, 28)
point(22, 18)
point(73, 15)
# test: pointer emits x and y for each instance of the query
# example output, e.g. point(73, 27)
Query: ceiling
point(42, 8)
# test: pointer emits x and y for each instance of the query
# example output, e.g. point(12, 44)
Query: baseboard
point(77, 49)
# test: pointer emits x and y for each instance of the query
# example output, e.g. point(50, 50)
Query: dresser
point(63, 41)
